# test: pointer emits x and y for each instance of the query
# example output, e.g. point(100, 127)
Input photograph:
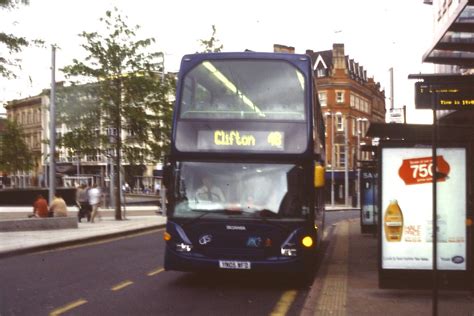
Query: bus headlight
point(289, 246)
point(182, 247)
point(288, 252)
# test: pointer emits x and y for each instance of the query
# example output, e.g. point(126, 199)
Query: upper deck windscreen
point(243, 89)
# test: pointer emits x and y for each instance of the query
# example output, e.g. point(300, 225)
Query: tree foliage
point(10, 43)
point(125, 91)
point(14, 152)
point(118, 86)
point(211, 45)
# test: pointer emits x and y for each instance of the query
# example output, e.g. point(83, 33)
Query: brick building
point(350, 101)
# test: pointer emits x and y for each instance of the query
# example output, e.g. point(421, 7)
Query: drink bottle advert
point(407, 214)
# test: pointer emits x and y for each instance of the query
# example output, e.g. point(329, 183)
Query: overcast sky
point(379, 34)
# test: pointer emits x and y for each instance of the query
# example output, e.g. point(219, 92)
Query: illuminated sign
point(406, 208)
point(446, 96)
point(241, 140)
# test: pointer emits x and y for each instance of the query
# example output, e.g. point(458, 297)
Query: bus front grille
point(235, 254)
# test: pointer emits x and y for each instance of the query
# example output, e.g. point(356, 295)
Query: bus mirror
point(319, 176)
point(167, 175)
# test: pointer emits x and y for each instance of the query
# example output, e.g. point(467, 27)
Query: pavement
point(347, 283)
point(136, 219)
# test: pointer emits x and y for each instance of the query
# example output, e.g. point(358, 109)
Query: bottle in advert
point(393, 222)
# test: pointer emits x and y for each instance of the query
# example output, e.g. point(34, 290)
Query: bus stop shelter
point(398, 266)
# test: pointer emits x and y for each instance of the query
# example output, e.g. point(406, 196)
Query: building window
point(353, 97)
point(323, 98)
point(321, 72)
point(339, 123)
point(339, 96)
point(340, 156)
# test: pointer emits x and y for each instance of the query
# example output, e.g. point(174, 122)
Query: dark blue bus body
point(241, 178)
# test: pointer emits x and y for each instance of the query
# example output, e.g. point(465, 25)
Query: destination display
point(241, 140)
point(446, 96)
point(407, 215)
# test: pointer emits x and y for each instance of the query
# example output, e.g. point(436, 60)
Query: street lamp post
point(359, 132)
point(111, 152)
point(346, 162)
point(333, 155)
point(357, 162)
point(52, 127)
point(339, 115)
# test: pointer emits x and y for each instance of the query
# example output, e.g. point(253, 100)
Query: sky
point(378, 34)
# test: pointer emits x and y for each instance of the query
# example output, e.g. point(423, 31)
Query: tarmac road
point(125, 277)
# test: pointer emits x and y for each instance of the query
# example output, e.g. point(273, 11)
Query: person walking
point(58, 207)
point(40, 207)
point(94, 195)
point(82, 201)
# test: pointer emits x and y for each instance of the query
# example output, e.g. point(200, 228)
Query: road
point(125, 277)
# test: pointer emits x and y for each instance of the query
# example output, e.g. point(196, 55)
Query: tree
point(13, 44)
point(212, 44)
point(14, 152)
point(124, 78)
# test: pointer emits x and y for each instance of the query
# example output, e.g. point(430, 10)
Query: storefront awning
point(454, 44)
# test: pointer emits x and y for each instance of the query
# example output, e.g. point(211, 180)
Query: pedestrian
point(94, 195)
point(40, 207)
point(58, 207)
point(82, 201)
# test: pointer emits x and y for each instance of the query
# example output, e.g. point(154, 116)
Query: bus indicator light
point(268, 242)
point(307, 241)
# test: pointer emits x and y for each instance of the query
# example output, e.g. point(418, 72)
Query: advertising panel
point(369, 197)
point(407, 218)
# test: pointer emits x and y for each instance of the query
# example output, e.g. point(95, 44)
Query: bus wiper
point(206, 212)
point(265, 213)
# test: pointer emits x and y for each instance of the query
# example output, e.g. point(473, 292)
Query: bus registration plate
point(245, 265)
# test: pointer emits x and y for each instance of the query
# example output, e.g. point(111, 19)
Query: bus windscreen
point(242, 90)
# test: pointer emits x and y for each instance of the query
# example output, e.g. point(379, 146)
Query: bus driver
point(209, 192)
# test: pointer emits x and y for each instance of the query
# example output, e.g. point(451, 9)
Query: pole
point(78, 164)
point(392, 101)
point(52, 128)
point(333, 158)
point(162, 68)
point(112, 183)
point(435, 215)
point(358, 159)
point(346, 163)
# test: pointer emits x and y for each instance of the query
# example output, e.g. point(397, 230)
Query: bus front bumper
point(196, 263)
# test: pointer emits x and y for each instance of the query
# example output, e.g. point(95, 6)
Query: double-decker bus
point(245, 173)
